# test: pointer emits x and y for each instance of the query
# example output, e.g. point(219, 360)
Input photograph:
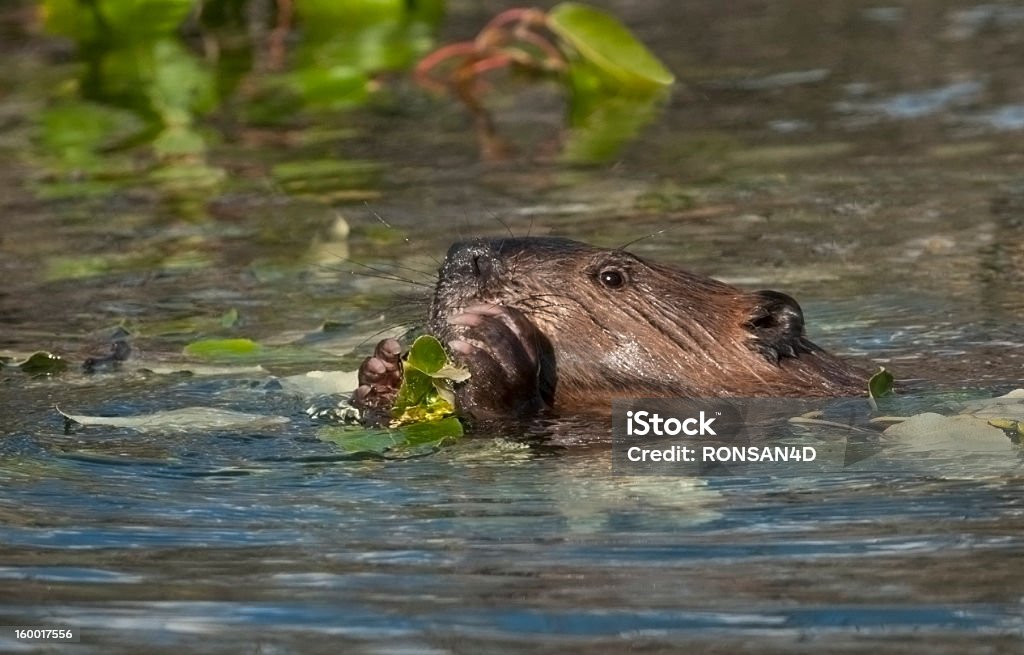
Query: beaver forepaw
point(502, 350)
point(380, 376)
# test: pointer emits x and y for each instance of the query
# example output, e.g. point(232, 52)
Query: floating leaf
point(320, 383)
point(43, 363)
point(359, 440)
point(188, 419)
point(433, 432)
point(223, 349)
point(880, 384)
point(406, 441)
point(605, 43)
point(960, 434)
point(191, 368)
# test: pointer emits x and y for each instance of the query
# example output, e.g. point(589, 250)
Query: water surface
point(864, 160)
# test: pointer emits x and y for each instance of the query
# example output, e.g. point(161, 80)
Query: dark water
point(865, 159)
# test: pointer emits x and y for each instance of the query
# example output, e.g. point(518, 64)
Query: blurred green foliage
point(150, 71)
point(346, 43)
point(155, 83)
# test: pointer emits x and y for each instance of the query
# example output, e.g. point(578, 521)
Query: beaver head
point(558, 323)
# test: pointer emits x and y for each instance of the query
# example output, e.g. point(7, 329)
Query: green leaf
point(427, 355)
point(118, 21)
point(333, 87)
point(603, 41)
point(346, 43)
point(428, 375)
point(76, 134)
point(880, 383)
point(70, 18)
point(398, 443)
point(43, 363)
point(358, 440)
point(178, 87)
point(434, 432)
point(223, 349)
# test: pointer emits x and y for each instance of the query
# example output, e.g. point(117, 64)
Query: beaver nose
point(483, 265)
point(477, 259)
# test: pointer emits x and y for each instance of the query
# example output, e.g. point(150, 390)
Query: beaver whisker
point(382, 274)
point(408, 242)
point(392, 278)
point(643, 238)
point(409, 325)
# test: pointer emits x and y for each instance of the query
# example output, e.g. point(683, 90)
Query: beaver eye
point(612, 278)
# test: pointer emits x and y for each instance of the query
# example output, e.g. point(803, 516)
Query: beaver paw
point(503, 351)
point(380, 376)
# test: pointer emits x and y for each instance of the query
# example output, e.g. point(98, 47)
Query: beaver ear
point(777, 323)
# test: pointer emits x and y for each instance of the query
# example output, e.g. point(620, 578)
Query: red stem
point(422, 74)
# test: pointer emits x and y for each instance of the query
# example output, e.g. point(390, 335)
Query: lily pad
point(605, 43)
point(960, 433)
point(990, 425)
point(411, 440)
point(43, 363)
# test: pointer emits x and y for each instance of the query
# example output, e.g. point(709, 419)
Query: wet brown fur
point(664, 332)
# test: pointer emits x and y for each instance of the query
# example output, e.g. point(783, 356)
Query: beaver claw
point(380, 376)
point(503, 351)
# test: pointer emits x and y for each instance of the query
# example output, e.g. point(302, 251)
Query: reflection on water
point(863, 159)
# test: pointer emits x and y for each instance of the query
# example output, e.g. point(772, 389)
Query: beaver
point(551, 323)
